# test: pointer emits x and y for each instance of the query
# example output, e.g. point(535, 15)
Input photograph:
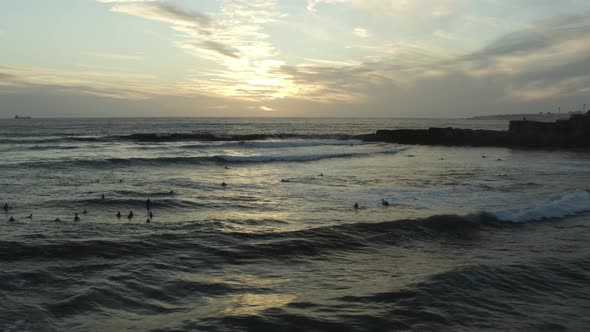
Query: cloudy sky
point(363, 58)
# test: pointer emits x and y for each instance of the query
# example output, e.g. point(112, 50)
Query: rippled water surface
point(480, 239)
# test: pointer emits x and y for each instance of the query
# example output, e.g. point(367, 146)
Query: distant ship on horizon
point(22, 117)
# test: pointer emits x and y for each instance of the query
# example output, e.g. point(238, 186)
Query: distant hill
point(547, 117)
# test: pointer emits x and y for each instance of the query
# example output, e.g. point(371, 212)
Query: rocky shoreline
point(571, 133)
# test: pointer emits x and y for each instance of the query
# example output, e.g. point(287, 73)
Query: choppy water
point(473, 239)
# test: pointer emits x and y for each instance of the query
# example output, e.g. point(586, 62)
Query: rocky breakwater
point(571, 133)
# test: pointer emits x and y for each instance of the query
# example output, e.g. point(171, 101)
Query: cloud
point(540, 62)
point(164, 12)
point(220, 48)
point(122, 1)
point(360, 32)
point(547, 60)
point(233, 39)
point(119, 85)
point(437, 8)
point(113, 56)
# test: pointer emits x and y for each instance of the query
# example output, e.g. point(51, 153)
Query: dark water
point(474, 239)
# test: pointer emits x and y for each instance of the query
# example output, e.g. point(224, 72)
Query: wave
point(126, 203)
point(54, 147)
point(465, 294)
point(240, 247)
point(360, 236)
point(557, 208)
point(170, 137)
point(165, 161)
point(271, 144)
point(53, 139)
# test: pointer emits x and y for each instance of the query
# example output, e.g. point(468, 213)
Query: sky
point(328, 58)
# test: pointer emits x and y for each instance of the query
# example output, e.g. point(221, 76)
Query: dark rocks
point(571, 133)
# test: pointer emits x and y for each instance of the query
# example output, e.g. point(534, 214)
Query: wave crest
point(566, 205)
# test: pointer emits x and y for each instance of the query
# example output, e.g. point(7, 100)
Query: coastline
point(563, 134)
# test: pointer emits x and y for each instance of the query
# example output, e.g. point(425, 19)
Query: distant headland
point(541, 116)
point(573, 132)
point(544, 117)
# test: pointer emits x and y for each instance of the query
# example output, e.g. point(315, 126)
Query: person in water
point(356, 206)
point(130, 215)
point(76, 218)
point(30, 216)
point(102, 196)
point(223, 184)
point(118, 214)
point(57, 219)
point(151, 215)
point(148, 221)
point(148, 204)
point(6, 207)
point(11, 219)
point(384, 202)
point(84, 211)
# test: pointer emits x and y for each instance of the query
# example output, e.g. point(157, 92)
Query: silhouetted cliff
point(571, 133)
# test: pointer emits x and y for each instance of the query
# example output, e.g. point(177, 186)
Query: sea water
point(472, 238)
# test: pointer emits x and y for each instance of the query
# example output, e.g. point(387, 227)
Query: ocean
point(472, 239)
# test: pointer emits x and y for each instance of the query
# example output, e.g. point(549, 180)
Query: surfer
point(76, 218)
point(130, 215)
point(30, 216)
point(384, 202)
point(102, 196)
point(6, 207)
point(223, 184)
point(148, 221)
point(57, 219)
point(84, 211)
point(148, 204)
point(118, 214)
point(11, 219)
point(356, 206)
point(151, 215)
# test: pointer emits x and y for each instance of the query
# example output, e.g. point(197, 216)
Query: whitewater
point(473, 239)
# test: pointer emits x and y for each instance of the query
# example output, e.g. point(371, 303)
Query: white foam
point(569, 204)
